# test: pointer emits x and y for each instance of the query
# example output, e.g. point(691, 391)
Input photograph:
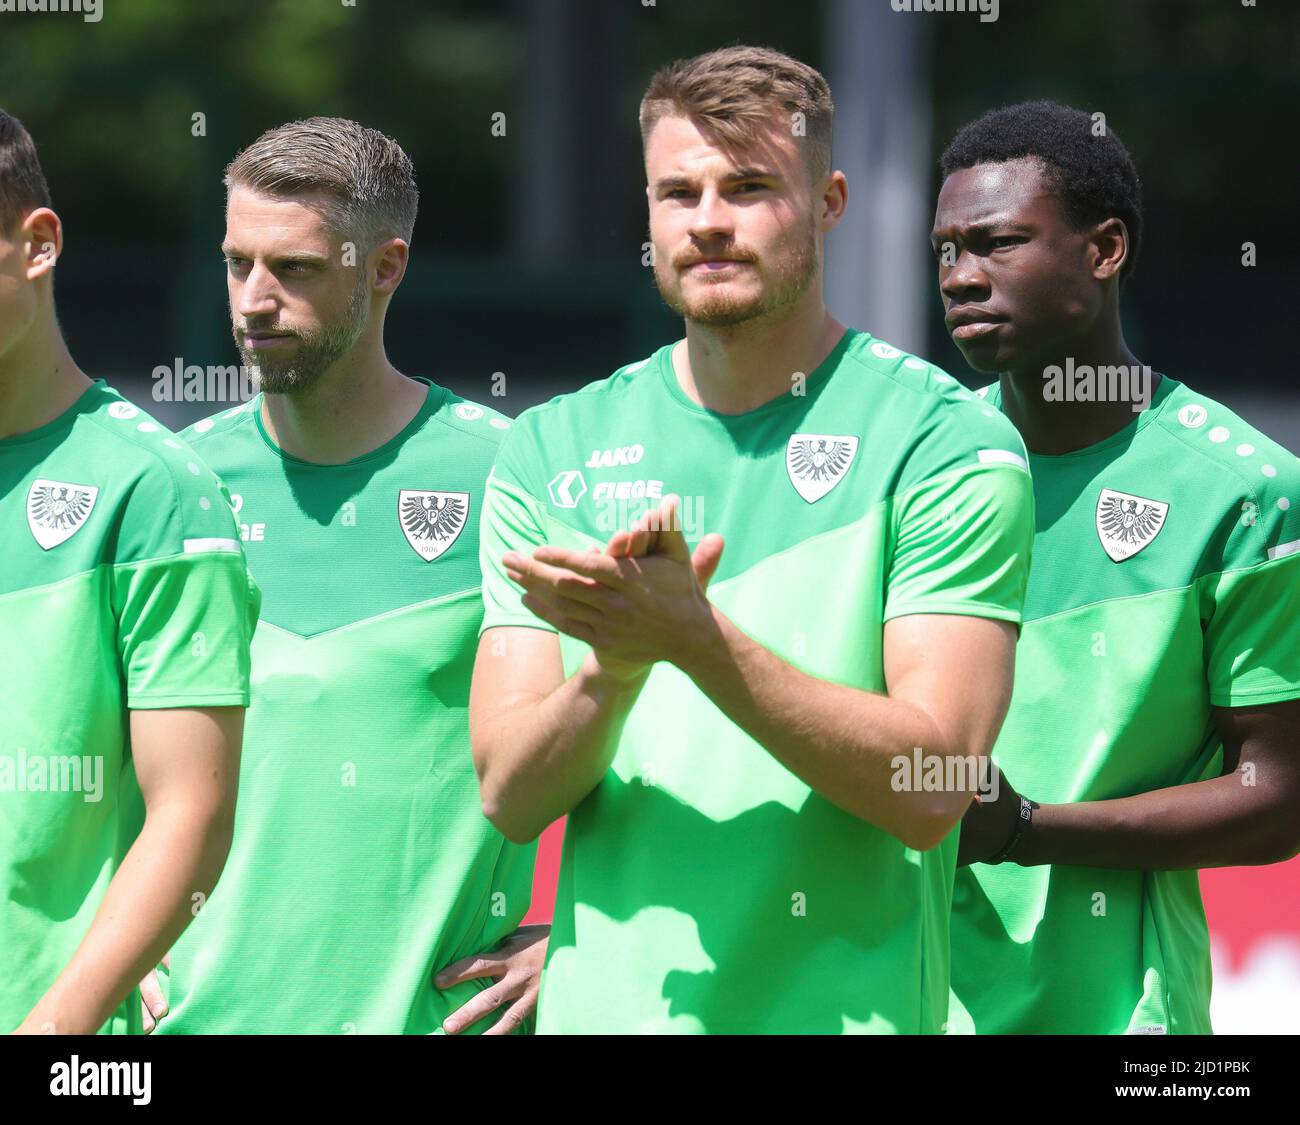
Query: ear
point(390, 260)
point(834, 201)
point(1108, 248)
point(42, 232)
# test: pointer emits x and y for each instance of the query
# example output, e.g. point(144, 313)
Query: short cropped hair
point(731, 93)
point(366, 176)
point(22, 183)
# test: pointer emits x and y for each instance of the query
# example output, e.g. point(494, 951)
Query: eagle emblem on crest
point(432, 521)
point(57, 510)
point(817, 462)
point(1127, 524)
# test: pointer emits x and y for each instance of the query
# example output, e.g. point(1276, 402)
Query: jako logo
point(567, 489)
point(608, 458)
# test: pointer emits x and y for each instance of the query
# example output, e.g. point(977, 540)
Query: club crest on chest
point(432, 521)
point(57, 510)
point(1127, 524)
point(818, 462)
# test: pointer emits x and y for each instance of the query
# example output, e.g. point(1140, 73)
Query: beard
point(716, 307)
point(316, 353)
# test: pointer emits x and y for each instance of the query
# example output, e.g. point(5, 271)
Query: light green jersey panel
point(123, 587)
point(362, 862)
point(703, 887)
point(957, 544)
point(512, 518)
point(1251, 634)
point(1119, 666)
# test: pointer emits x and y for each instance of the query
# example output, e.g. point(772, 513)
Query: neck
point(359, 404)
point(38, 379)
point(1077, 407)
point(738, 369)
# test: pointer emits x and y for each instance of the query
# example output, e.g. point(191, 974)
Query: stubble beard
point(316, 353)
point(715, 308)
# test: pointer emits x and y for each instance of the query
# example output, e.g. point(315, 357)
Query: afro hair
point(1092, 174)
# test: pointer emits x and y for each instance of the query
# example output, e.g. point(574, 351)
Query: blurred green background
point(527, 255)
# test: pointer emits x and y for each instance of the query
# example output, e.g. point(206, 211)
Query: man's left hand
point(634, 608)
point(516, 967)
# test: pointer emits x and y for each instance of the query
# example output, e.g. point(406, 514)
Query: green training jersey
point(1166, 582)
point(704, 887)
point(122, 588)
point(362, 862)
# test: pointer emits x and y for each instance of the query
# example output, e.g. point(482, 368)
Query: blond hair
point(733, 92)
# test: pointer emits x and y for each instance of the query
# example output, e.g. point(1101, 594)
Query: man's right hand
point(988, 825)
point(638, 541)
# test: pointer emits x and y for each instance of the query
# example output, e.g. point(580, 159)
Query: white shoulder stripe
point(198, 546)
point(1003, 457)
point(1284, 549)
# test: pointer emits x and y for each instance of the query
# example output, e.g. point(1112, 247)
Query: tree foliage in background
point(1205, 93)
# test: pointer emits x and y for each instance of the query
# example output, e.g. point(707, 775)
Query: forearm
point(179, 853)
point(845, 743)
point(542, 758)
point(1220, 822)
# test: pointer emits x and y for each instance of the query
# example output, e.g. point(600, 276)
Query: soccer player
point(362, 863)
point(745, 852)
point(1156, 722)
point(126, 613)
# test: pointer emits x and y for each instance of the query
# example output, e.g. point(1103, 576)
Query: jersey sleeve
point(1252, 627)
point(512, 519)
point(183, 598)
point(962, 542)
